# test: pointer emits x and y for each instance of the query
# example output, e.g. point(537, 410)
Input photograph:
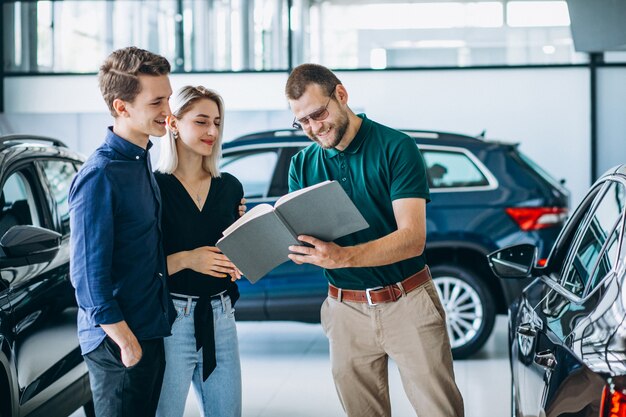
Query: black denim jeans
point(119, 391)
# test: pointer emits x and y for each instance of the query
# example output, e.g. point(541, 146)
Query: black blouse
point(185, 227)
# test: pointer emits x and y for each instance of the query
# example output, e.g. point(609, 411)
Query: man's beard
point(340, 131)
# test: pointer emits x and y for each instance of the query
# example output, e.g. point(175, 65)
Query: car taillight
point(613, 402)
point(535, 218)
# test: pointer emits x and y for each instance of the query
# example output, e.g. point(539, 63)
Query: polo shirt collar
point(358, 140)
point(124, 147)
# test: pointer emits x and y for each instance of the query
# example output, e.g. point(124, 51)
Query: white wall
point(611, 117)
point(546, 110)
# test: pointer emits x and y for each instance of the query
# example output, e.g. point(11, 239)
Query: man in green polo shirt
point(381, 301)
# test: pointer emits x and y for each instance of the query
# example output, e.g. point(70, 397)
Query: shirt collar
point(358, 140)
point(124, 147)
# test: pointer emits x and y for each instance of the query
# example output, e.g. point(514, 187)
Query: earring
point(175, 133)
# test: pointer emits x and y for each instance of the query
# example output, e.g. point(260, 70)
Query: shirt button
point(344, 179)
point(343, 165)
point(160, 275)
point(137, 157)
point(341, 154)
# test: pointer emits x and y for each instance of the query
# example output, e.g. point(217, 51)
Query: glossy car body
point(476, 188)
point(567, 332)
point(42, 372)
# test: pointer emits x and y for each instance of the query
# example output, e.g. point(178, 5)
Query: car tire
point(469, 305)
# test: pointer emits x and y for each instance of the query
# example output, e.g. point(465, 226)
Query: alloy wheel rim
point(464, 309)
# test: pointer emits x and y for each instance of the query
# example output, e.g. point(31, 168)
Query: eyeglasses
point(317, 115)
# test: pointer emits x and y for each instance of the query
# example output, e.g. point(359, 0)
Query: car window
point(447, 169)
point(16, 203)
point(253, 169)
point(280, 181)
point(596, 251)
point(59, 175)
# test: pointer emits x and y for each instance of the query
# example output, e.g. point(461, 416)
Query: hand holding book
point(259, 240)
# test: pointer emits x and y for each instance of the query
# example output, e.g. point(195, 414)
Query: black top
point(185, 227)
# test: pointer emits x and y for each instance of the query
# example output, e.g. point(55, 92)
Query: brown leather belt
point(377, 295)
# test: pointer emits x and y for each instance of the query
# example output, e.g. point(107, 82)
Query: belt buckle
point(369, 297)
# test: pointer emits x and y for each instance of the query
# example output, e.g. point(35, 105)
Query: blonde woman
point(198, 204)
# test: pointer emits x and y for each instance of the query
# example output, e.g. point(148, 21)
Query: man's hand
point(242, 207)
point(327, 255)
point(131, 353)
point(130, 348)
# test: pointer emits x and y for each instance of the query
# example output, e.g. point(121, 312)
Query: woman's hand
point(242, 207)
point(209, 260)
point(237, 274)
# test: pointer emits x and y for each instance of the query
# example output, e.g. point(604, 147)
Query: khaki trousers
point(412, 331)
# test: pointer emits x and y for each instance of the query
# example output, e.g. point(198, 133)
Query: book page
point(296, 193)
point(254, 212)
point(323, 211)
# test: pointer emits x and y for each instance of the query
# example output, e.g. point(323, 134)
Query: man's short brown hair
point(119, 74)
point(304, 75)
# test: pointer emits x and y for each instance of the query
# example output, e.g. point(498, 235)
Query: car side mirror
point(514, 262)
point(39, 244)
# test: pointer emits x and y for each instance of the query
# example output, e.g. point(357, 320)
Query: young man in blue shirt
point(381, 301)
point(117, 263)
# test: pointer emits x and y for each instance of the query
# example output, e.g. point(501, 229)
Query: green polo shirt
point(380, 165)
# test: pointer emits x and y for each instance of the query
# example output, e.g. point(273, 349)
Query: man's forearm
point(395, 247)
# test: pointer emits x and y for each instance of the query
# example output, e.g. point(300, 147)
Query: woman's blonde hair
point(185, 98)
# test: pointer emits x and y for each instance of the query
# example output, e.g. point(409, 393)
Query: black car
point(42, 372)
point(567, 331)
point(485, 196)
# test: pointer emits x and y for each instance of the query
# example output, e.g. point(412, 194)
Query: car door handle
point(527, 329)
point(546, 359)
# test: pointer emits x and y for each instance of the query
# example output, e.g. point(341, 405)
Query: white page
point(296, 193)
point(254, 212)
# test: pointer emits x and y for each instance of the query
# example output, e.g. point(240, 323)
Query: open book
point(259, 240)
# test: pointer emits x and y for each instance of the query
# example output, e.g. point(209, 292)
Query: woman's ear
point(172, 124)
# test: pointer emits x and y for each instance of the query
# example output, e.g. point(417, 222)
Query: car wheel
point(470, 310)
point(89, 410)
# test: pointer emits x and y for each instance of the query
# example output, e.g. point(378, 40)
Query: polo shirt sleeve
point(408, 171)
point(295, 173)
point(92, 239)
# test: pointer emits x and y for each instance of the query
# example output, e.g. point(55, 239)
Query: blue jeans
point(220, 394)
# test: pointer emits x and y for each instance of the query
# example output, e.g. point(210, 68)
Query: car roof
point(11, 146)
point(21, 139)
point(421, 136)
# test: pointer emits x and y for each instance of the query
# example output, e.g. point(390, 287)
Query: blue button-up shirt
point(117, 263)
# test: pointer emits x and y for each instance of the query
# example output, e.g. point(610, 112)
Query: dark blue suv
point(485, 195)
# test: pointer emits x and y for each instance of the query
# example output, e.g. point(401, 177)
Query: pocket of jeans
point(180, 313)
point(230, 312)
point(323, 310)
point(113, 350)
